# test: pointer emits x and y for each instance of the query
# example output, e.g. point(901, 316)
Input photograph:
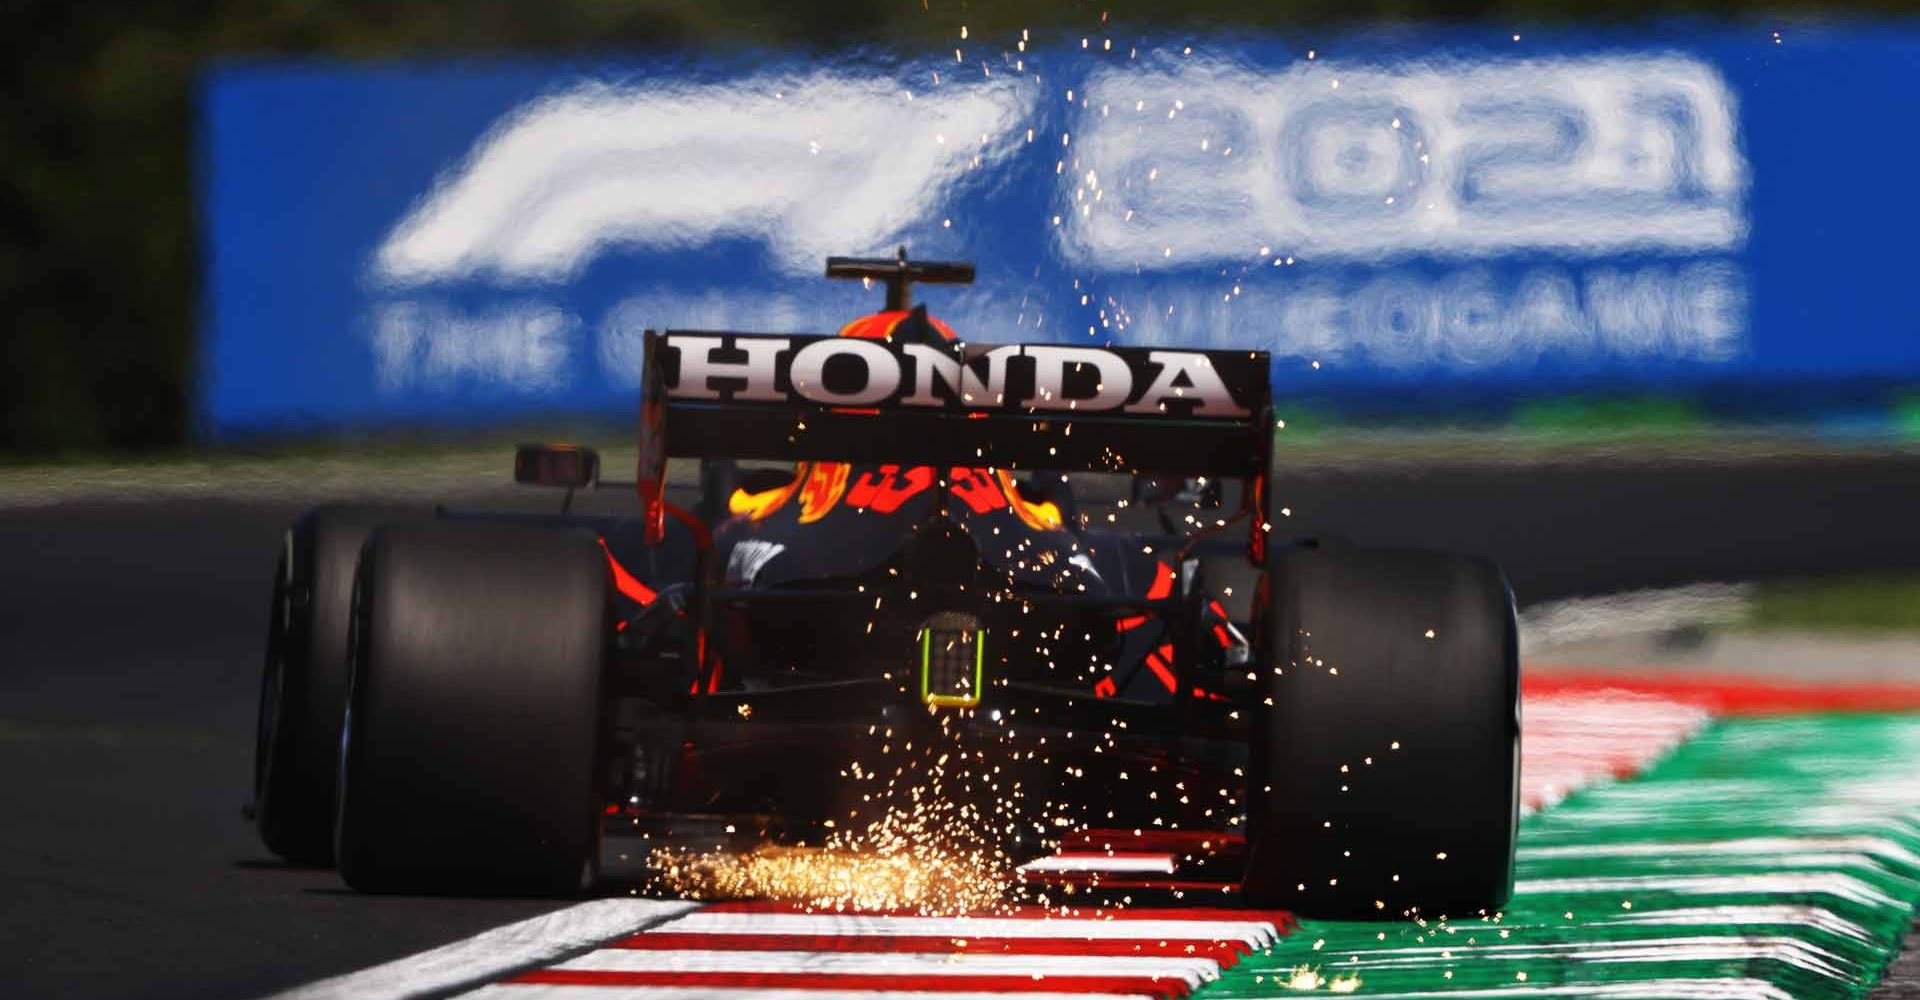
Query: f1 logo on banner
point(1404, 215)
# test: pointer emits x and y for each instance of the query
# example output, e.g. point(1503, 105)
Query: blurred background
point(235, 221)
point(1619, 294)
point(1616, 294)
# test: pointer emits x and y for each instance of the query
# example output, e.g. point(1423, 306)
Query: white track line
point(1801, 955)
point(492, 954)
point(1796, 885)
point(1192, 971)
point(533, 991)
point(1884, 848)
point(1254, 934)
point(1755, 915)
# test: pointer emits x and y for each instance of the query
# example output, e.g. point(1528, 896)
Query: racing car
point(887, 530)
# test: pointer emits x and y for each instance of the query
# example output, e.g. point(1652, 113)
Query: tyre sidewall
point(1385, 752)
point(469, 763)
point(304, 686)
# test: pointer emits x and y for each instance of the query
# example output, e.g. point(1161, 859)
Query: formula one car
point(466, 701)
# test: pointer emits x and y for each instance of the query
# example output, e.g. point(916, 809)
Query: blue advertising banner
point(1402, 218)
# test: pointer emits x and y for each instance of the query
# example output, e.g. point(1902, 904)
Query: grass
point(1593, 417)
point(1873, 603)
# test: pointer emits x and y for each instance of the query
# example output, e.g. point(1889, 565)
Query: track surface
point(129, 658)
point(126, 713)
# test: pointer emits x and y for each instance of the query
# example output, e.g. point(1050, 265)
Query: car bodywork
point(921, 562)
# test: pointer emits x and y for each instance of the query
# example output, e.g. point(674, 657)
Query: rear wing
point(1158, 411)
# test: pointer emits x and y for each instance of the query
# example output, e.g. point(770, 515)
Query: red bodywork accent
point(976, 490)
point(625, 582)
point(886, 488)
point(700, 664)
point(1162, 583)
point(879, 326)
point(1161, 660)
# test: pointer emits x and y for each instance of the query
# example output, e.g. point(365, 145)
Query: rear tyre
point(303, 692)
point(474, 723)
point(1385, 774)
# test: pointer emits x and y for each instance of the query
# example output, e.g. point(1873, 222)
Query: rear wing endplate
point(1012, 406)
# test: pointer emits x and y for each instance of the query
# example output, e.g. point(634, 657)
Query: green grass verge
point(1598, 417)
point(1886, 603)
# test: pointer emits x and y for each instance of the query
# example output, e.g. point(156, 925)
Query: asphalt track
point(129, 649)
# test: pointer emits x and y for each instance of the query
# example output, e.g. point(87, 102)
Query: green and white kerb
point(1765, 859)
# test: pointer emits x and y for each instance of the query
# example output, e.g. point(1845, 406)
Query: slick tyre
point(474, 721)
point(303, 691)
point(1385, 758)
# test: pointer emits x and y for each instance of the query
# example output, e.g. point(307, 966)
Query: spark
point(926, 840)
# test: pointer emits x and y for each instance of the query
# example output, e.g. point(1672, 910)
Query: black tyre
point(303, 693)
point(1385, 774)
point(474, 726)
